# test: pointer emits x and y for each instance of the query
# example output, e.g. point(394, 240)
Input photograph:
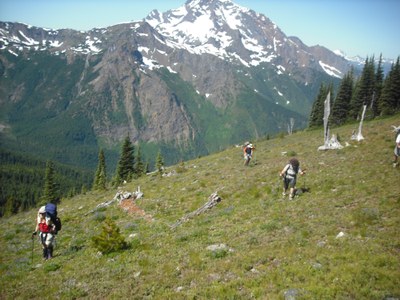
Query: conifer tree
point(11, 206)
point(341, 104)
point(375, 106)
point(364, 90)
point(25, 204)
point(71, 192)
point(396, 81)
point(125, 168)
point(110, 239)
point(100, 178)
point(50, 193)
point(83, 189)
point(159, 163)
point(317, 111)
point(139, 166)
point(390, 99)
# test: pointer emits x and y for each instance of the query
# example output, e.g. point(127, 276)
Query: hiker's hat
point(42, 210)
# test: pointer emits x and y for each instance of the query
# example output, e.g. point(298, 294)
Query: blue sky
point(357, 27)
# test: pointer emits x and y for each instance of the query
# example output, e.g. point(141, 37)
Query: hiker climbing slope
point(248, 150)
point(397, 148)
point(289, 175)
point(47, 230)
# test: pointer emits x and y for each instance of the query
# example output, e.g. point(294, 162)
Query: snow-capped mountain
point(239, 35)
point(220, 27)
point(195, 78)
point(359, 61)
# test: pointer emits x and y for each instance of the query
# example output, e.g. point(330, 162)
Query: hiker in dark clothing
point(46, 230)
point(248, 152)
point(397, 148)
point(289, 175)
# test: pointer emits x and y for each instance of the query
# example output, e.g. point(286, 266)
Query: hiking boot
point(291, 197)
point(284, 194)
point(395, 164)
point(50, 253)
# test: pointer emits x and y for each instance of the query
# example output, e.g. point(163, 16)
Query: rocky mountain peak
point(212, 5)
point(240, 36)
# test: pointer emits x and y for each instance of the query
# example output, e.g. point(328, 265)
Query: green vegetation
point(380, 95)
point(50, 190)
point(126, 164)
point(140, 168)
point(22, 180)
point(110, 239)
point(44, 118)
point(340, 240)
point(100, 177)
point(159, 163)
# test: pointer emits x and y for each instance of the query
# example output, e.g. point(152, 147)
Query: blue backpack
point(51, 211)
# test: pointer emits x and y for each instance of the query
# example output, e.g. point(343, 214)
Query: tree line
point(22, 179)
point(380, 94)
point(25, 183)
point(130, 166)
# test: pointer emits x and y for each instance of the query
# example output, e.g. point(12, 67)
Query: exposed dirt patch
point(131, 208)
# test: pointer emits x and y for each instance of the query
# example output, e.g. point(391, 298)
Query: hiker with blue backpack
point(289, 176)
point(47, 224)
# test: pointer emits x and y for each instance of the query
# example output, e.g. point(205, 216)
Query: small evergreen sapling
point(100, 178)
point(110, 239)
point(140, 168)
point(159, 163)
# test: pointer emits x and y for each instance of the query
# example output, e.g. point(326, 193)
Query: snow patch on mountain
point(13, 53)
point(28, 41)
point(90, 43)
point(54, 44)
point(332, 71)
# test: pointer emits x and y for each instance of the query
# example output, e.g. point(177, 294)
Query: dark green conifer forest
point(23, 182)
point(380, 94)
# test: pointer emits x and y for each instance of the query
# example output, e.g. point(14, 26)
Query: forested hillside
point(22, 181)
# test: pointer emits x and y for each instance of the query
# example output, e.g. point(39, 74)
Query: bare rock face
point(148, 109)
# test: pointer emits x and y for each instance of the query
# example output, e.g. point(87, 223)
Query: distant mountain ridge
point(359, 61)
point(189, 81)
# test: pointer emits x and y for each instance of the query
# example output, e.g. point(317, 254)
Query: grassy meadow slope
point(275, 248)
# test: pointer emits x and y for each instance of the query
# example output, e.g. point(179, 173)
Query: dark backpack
point(248, 150)
point(51, 211)
point(294, 163)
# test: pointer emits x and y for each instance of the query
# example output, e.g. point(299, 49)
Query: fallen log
point(213, 200)
point(119, 196)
